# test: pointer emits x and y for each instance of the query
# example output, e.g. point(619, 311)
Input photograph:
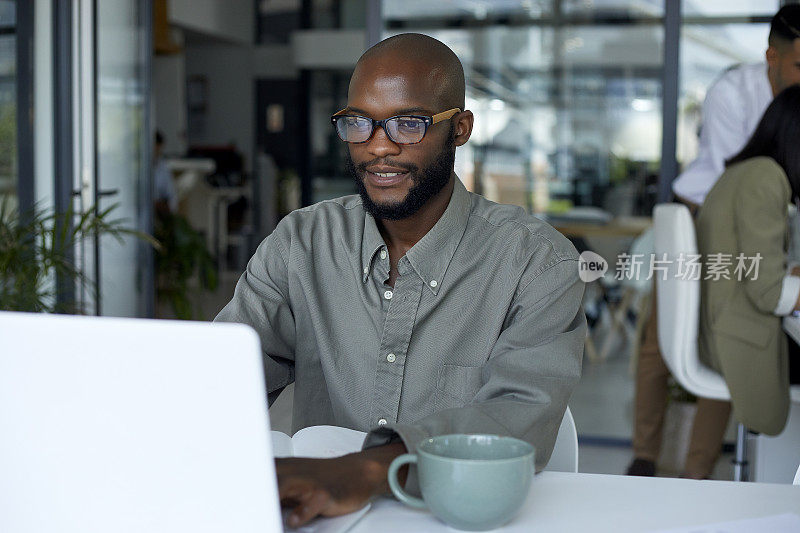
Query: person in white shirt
point(735, 103)
point(733, 108)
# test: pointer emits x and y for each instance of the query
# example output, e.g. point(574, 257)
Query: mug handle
point(402, 495)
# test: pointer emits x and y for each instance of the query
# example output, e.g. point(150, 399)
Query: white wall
point(230, 109)
point(328, 48)
point(232, 20)
point(274, 61)
point(169, 101)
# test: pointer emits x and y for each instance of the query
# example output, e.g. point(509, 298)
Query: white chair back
point(565, 451)
point(679, 303)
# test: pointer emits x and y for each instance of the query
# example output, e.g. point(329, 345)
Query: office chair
point(679, 318)
point(565, 451)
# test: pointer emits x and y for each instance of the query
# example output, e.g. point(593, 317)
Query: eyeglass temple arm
point(444, 115)
point(340, 112)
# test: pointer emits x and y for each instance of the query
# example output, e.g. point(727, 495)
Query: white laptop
point(130, 425)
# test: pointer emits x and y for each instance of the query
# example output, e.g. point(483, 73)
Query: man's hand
point(332, 487)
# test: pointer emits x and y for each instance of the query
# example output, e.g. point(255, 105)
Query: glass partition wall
point(566, 97)
point(715, 36)
point(567, 94)
point(8, 103)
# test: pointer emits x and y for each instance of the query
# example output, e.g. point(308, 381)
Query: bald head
point(408, 75)
point(422, 60)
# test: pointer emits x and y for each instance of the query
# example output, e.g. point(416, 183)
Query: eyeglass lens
point(402, 130)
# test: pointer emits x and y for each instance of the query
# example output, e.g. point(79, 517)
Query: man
point(732, 109)
point(414, 308)
point(735, 103)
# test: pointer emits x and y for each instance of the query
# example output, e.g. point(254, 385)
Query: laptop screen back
point(133, 425)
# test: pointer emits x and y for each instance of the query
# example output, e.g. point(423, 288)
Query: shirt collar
point(432, 254)
point(371, 242)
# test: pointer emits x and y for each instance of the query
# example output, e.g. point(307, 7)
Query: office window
point(122, 152)
point(715, 36)
point(746, 8)
point(567, 101)
point(568, 94)
point(8, 102)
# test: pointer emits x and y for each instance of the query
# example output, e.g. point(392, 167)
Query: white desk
point(594, 502)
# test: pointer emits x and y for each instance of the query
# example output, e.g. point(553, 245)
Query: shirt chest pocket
point(456, 386)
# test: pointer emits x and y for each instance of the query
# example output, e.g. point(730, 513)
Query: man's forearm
point(376, 463)
point(336, 486)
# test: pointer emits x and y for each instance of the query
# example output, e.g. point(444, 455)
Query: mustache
point(408, 167)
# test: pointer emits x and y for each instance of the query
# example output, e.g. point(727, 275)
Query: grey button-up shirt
point(482, 333)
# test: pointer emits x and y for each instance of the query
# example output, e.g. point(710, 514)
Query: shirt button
point(388, 295)
point(382, 422)
point(433, 283)
point(366, 269)
point(383, 254)
point(391, 358)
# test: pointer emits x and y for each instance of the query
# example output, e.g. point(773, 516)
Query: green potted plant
point(36, 247)
point(183, 254)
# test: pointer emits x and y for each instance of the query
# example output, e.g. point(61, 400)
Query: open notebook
point(317, 441)
point(321, 442)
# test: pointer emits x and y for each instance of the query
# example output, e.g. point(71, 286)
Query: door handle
point(100, 194)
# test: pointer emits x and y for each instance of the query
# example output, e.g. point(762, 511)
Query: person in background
point(745, 215)
point(732, 109)
point(166, 200)
point(414, 308)
point(736, 102)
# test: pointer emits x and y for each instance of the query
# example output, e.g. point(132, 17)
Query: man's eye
point(410, 124)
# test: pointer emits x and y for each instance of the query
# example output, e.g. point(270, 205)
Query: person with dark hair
point(164, 195)
point(745, 215)
point(414, 308)
point(735, 103)
point(732, 109)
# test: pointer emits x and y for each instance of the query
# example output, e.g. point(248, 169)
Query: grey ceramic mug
point(470, 482)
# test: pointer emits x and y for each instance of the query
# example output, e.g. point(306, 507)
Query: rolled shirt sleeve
point(528, 376)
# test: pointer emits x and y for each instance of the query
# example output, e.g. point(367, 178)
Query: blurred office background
point(585, 110)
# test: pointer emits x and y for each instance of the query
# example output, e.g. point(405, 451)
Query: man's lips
point(383, 176)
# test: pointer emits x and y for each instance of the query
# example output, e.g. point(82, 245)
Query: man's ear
point(772, 55)
point(463, 127)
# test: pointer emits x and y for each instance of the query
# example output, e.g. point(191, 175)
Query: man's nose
point(380, 145)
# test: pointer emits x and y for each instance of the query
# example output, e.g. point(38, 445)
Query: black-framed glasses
point(401, 129)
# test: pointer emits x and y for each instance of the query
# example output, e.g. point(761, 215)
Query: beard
point(427, 183)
